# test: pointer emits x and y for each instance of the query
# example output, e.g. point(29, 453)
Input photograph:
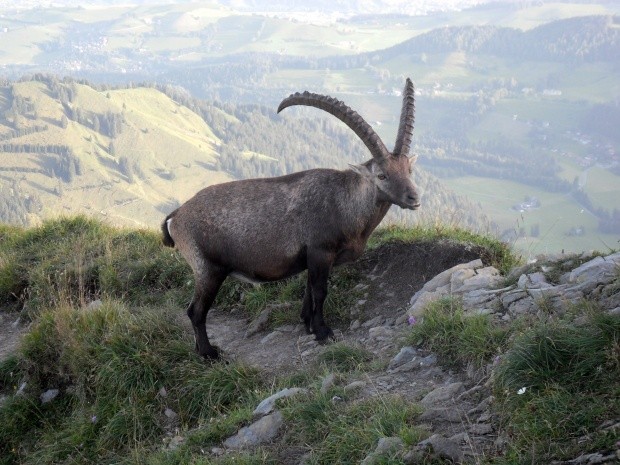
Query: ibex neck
point(381, 210)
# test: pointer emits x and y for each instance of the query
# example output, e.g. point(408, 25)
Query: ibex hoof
point(323, 333)
point(211, 353)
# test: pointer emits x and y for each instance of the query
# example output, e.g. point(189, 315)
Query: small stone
point(354, 385)
point(384, 447)
point(435, 415)
point(458, 278)
point(428, 361)
point(259, 432)
point(442, 280)
point(380, 332)
point(376, 321)
point(269, 337)
point(512, 296)
point(482, 406)
point(481, 429)
point(413, 457)
point(426, 297)
point(268, 404)
point(218, 451)
point(260, 322)
point(162, 392)
point(175, 442)
point(328, 382)
point(460, 438)
point(442, 394)
point(308, 352)
point(401, 320)
point(443, 448)
point(533, 281)
point(21, 389)
point(171, 414)
point(49, 395)
point(355, 324)
point(405, 355)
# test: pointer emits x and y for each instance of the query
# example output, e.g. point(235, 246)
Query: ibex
point(268, 229)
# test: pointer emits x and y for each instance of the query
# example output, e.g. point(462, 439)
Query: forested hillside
point(132, 154)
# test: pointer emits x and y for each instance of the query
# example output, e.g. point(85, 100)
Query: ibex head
point(389, 171)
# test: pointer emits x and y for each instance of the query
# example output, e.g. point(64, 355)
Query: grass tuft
point(343, 357)
point(458, 338)
point(557, 384)
point(345, 432)
point(78, 259)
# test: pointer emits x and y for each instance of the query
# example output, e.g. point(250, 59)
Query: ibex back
point(269, 229)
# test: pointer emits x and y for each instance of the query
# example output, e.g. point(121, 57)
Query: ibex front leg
point(319, 266)
point(208, 282)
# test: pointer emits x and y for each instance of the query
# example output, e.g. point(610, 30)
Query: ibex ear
point(361, 170)
point(413, 159)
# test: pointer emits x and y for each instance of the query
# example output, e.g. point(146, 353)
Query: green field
point(603, 188)
point(556, 216)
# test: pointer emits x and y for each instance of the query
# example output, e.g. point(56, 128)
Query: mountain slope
point(131, 155)
point(113, 153)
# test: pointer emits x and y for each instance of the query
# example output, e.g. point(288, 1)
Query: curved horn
point(407, 118)
point(343, 113)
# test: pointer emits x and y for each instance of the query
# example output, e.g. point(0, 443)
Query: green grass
point(343, 357)
point(111, 364)
point(457, 338)
point(556, 379)
point(76, 260)
point(254, 298)
point(343, 431)
point(557, 384)
point(603, 188)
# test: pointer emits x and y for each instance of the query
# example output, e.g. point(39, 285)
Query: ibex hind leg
point(318, 275)
point(207, 284)
point(306, 308)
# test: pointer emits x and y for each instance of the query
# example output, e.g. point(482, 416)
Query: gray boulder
point(259, 432)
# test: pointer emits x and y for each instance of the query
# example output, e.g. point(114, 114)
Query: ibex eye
point(382, 177)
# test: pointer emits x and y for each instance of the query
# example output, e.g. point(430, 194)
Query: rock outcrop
point(536, 287)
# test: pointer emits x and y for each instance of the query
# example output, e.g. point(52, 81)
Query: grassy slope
point(112, 362)
point(158, 136)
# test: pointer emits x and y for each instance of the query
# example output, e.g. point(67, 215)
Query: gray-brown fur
point(272, 228)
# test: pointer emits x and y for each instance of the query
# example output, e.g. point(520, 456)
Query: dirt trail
point(390, 274)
